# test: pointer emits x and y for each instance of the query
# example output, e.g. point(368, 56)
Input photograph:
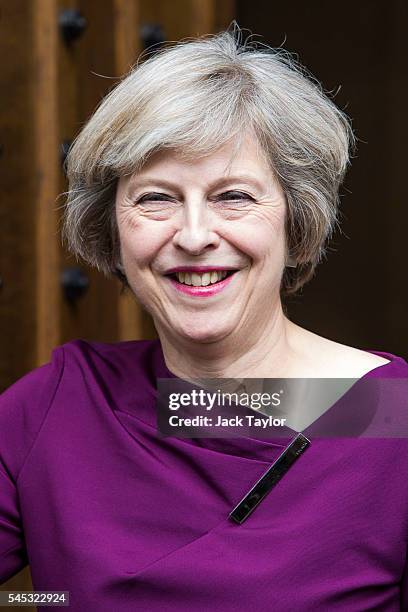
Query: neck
point(265, 353)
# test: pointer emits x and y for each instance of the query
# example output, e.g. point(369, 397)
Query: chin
point(204, 333)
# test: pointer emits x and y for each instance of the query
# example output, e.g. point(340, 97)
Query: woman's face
point(215, 213)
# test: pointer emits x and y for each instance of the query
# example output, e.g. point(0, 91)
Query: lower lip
point(202, 291)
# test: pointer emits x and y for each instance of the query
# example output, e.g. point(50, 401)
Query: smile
point(202, 280)
point(201, 283)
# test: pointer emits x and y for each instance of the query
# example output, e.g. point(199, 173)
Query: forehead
point(235, 157)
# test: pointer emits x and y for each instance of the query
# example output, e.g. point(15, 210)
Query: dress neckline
point(343, 409)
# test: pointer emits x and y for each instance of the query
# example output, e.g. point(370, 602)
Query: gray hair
point(195, 95)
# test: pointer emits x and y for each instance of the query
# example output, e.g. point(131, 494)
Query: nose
point(196, 231)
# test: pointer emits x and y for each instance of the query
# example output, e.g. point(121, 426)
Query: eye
point(157, 200)
point(235, 196)
point(154, 197)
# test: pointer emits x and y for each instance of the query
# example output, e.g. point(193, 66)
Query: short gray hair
point(195, 95)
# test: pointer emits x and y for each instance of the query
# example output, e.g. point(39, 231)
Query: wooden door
point(59, 58)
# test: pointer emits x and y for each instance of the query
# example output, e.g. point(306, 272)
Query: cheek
point(140, 238)
point(259, 235)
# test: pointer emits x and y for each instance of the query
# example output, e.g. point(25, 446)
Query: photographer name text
point(235, 421)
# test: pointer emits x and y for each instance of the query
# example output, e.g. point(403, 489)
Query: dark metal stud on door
point(152, 35)
point(75, 284)
point(72, 25)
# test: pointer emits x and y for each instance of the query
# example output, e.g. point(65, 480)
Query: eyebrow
point(135, 183)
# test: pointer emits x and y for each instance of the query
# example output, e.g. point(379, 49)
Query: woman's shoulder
point(328, 358)
point(358, 363)
point(375, 362)
point(72, 368)
point(390, 365)
point(137, 355)
point(79, 356)
point(23, 408)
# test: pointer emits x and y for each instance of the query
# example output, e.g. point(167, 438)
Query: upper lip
point(198, 269)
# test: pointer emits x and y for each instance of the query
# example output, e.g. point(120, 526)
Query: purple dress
point(102, 506)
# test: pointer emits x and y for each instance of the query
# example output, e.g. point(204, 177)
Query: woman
point(208, 182)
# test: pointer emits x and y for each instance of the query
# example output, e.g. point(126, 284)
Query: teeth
point(206, 279)
point(196, 279)
point(201, 280)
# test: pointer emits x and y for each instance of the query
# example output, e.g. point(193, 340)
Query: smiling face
point(221, 212)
